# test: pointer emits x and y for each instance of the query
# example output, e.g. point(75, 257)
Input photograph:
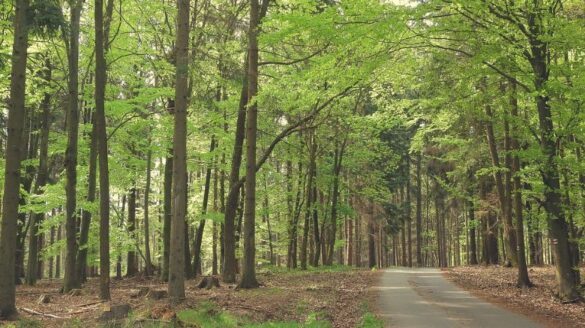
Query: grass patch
point(23, 323)
point(369, 320)
point(207, 315)
point(269, 269)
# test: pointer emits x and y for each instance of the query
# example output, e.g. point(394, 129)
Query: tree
point(11, 192)
point(248, 279)
point(176, 285)
point(70, 279)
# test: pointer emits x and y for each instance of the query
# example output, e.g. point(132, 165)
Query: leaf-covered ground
point(337, 297)
point(498, 285)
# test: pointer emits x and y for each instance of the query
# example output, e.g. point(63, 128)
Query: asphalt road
point(424, 298)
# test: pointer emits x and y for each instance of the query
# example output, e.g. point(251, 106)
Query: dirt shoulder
point(498, 285)
point(340, 297)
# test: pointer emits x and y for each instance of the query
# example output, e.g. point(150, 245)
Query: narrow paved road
point(424, 298)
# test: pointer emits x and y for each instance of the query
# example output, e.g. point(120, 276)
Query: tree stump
point(75, 292)
point(115, 312)
point(140, 292)
point(208, 283)
point(156, 294)
point(44, 299)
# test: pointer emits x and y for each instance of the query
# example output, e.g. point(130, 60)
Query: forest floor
point(498, 285)
point(324, 297)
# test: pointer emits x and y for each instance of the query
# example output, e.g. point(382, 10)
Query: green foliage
point(45, 17)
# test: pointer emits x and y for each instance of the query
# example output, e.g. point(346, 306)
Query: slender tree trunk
point(36, 218)
point(419, 241)
point(102, 140)
point(52, 258)
point(408, 213)
point(168, 188)
point(70, 280)
point(11, 194)
point(86, 215)
point(131, 259)
point(216, 209)
point(371, 244)
point(339, 151)
point(248, 279)
point(523, 279)
point(472, 238)
point(199, 234)
point(58, 257)
point(502, 188)
point(231, 206)
point(309, 201)
point(176, 285)
point(148, 262)
point(316, 235)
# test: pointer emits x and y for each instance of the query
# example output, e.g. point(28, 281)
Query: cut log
point(209, 282)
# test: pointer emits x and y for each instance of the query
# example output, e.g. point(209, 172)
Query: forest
point(252, 147)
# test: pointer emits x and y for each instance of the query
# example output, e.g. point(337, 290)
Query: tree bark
point(131, 259)
point(102, 141)
point(70, 279)
point(176, 284)
point(419, 241)
point(248, 279)
point(11, 195)
point(167, 213)
point(199, 233)
point(309, 201)
point(86, 215)
point(556, 220)
point(33, 256)
point(229, 244)
point(502, 188)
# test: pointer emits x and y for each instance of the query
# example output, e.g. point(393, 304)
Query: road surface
point(424, 298)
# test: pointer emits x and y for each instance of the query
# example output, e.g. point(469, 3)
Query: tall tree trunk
point(338, 159)
point(216, 209)
point(199, 233)
point(70, 280)
point(248, 279)
point(86, 215)
point(371, 244)
point(11, 195)
point(176, 284)
point(167, 212)
point(523, 279)
point(58, 257)
point(148, 262)
point(419, 260)
point(556, 220)
point(472, 229)
point(229, 238)
point(266, 218)
point(131, 259)
point(309, 201)
point(33, 255)
point(502, 188)
point(102, 140)
point(316, 235)
point(408, 213)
